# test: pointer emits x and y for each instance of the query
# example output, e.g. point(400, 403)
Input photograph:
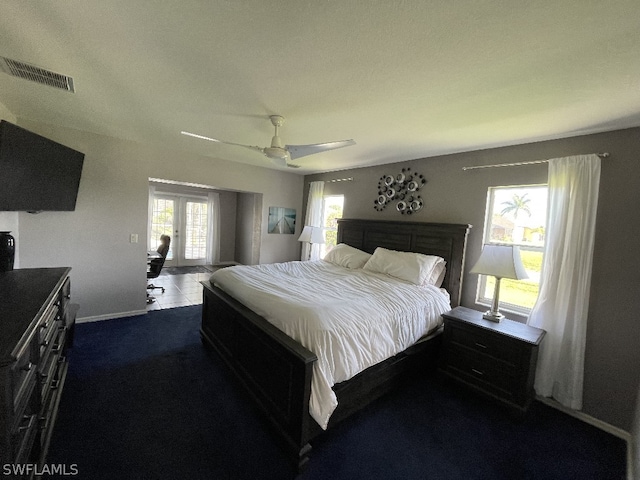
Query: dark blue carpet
point(144, 400)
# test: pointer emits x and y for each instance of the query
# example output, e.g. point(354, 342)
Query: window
point(331, 212)
point(516, 215)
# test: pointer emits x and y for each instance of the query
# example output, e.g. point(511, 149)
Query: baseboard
point(604, 426)
point(110, 316)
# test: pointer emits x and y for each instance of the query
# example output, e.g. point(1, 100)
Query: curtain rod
point(517, 164)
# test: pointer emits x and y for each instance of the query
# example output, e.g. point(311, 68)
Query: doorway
point(186, 219)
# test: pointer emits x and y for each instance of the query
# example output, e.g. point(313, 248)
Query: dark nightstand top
point(507, 327)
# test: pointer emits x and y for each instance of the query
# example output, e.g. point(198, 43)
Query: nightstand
point(496, 359)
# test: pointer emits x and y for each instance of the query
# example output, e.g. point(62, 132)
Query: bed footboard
point(274, 369)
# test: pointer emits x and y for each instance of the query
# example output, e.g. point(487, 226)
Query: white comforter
point(351, 319)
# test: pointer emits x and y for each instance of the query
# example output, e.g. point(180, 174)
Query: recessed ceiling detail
point(36, 74)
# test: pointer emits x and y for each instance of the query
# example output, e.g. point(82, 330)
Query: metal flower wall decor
point(401, 190)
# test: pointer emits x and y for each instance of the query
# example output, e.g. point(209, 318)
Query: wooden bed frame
point(276, 370)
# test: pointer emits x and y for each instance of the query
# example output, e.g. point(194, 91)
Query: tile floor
point(180, 290)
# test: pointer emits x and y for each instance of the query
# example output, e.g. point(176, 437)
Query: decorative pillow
point(347, 256)
point(411, 267)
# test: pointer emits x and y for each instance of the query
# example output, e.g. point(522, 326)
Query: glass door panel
point(195, 229)
point(185, 220)
point(163, 223)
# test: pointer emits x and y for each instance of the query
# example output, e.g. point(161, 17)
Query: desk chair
point(155, 264)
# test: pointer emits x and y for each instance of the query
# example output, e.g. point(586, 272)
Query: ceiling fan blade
point(297, 151)
point(202, 137)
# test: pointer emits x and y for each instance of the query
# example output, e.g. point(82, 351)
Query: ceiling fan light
point(276, 152)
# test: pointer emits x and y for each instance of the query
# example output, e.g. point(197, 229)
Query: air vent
point(36, 74)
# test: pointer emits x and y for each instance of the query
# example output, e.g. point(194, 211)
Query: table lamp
point(312, 235)
point(500, 261)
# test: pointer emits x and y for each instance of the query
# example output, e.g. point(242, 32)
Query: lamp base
point(493, 316)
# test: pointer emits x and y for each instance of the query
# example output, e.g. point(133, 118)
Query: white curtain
point(563, 302)
point(213, 228)
point(152, 193)
point(313, 218)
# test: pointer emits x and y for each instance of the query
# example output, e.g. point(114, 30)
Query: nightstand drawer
point(481, 369)
point(497, 346)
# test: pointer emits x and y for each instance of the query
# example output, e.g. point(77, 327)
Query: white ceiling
point(405, 79)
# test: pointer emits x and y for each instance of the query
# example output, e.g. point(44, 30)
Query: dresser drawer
point(488, 343)
point(52, 345)
point(24, 437)
point(64, 296)
point(47, 327)
point(482, 370)
point(23, 377)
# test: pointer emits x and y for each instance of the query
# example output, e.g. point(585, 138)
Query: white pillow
point(411, 267)
point(347, 256)
point(438, 273)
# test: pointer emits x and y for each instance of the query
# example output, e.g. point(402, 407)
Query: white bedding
point(351, 319)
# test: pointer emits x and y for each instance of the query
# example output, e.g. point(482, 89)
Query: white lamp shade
point(311, 234)
point(501, 261)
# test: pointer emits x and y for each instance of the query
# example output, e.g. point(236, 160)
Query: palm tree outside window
point(516, 215)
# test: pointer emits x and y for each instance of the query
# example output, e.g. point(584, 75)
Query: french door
point(186, 220)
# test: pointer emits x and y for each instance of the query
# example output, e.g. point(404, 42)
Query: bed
point(278, 371)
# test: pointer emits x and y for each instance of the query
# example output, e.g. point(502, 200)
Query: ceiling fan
point(281, 154)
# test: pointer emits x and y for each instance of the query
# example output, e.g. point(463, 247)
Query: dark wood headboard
point(445, 240)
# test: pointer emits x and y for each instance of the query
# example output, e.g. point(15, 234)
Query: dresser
point(36, 327)
point(495, 359)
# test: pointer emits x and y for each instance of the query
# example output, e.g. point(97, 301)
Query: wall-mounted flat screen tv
point(36, 174)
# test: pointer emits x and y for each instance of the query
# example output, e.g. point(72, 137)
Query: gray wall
point(108, 272)
point(612, 372)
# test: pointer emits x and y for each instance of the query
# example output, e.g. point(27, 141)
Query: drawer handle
point(55, 384)
point(477, 372)
point(67, 296)
point(27, 367)
point(480, 345)
point(26, 427)
point(44, 326)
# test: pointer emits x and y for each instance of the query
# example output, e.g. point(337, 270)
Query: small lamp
point(500, 261)
point(312, 235)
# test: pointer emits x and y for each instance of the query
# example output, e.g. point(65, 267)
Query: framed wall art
point(282, 220)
